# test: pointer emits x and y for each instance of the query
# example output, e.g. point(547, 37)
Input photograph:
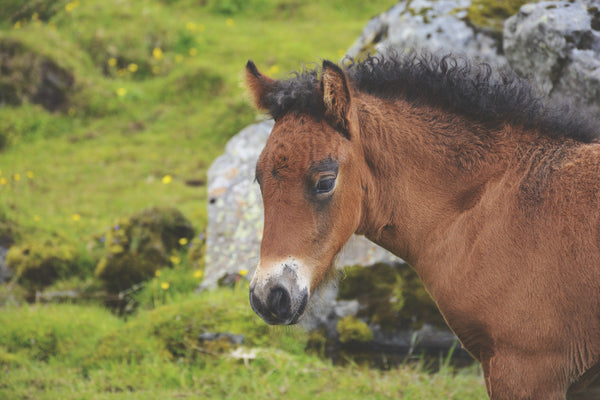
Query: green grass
point(158, 92)
point(107, 156)
point(51, 354)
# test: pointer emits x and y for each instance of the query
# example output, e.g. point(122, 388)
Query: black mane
point(453, 83)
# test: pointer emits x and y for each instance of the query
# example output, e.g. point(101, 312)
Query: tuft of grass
point(64, 332)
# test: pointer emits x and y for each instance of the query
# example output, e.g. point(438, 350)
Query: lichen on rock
point(557, 44)
point(437, 26)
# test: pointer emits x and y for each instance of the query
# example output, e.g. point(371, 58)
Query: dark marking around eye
point(326, 165)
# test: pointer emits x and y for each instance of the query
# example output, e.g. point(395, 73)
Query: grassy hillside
point(109, 107)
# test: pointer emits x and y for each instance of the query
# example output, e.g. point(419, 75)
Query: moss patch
point(491, 14)
point(391, 296)
point(352, 329)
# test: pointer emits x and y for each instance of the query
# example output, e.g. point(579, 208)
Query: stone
point(235, 213)
point(557, 44)
point(437, 26)
point(5, 273)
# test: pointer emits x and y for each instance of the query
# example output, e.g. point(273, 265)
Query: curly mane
point(452, 83)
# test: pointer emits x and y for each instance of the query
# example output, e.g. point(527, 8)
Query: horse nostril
point(279, 303)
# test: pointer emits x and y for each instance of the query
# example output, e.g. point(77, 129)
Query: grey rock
point(438, 26)
point(235, 216)
point(235, 213)
point(557, 44)
point(230, 337)
point(5, 273)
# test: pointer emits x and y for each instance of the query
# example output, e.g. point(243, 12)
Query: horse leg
point(510, 377)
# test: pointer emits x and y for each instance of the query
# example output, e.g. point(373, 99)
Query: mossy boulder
point(137, 246)
point(390, 296)
point(37, 265)
point(27, 75)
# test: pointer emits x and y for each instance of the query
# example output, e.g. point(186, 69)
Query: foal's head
point(311, 189)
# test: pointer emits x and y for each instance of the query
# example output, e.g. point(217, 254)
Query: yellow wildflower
point(229, 22)
point(167, 179)
point(112, 62)
point(121, 72)
point(72, 5)
point(121, 92)
point(198, 274)
point(76, 217)
point(190, 26)
point(273, 70)
point(132, 67)
point(157, 273)
point(71, 111)
point(30, 174)
point(36, 218)
point(175, 260)
point(17, 25)
point(157, 53)
point(3, 181)
point(17, 177)
point(243, 272)
point(164, 285)
point(183, 241)
point(193, 52)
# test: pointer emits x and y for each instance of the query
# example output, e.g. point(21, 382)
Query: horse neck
point(425, 167)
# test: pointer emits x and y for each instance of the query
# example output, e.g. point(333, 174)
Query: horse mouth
point(300, 311)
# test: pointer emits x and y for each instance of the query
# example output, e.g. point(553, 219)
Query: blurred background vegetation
point(111, 112)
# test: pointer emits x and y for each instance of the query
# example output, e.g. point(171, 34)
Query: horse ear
point(259, 85)
point(336, 95)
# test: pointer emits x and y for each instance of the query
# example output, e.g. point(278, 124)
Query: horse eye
point(325, 185)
